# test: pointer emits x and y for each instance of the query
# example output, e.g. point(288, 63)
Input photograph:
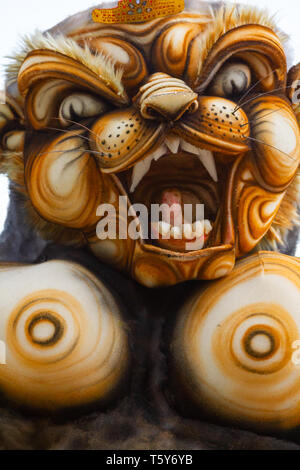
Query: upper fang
point(139, 171)
point(172, 142)
point(142, 167)
point(207, 159)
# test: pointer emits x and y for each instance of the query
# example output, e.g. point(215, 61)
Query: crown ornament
point(136, 11)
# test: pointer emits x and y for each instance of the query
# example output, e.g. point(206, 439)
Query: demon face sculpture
point(192, 108)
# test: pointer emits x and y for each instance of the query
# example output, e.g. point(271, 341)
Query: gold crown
point(137, 11)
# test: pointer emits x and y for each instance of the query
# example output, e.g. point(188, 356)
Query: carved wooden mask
point(194, 106)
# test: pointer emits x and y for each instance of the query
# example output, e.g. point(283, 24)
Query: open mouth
point(178, 183)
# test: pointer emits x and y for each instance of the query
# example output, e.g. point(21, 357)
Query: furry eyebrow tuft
point(228, 17)
point(100, 64)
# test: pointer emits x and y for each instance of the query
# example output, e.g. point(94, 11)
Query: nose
point(165, 97)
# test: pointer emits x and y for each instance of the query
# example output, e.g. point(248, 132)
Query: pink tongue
point(172, 198)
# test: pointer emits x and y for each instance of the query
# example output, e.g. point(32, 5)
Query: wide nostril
point(193, 107)
point(166, 97)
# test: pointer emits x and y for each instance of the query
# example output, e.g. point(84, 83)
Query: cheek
point(255, 210)
point(121, 137)
point(262, 177)
point(286, 139)
point(64, 184)
point(276, 141)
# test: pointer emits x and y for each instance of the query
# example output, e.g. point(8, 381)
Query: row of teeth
point(172, 144)
point(187, 231)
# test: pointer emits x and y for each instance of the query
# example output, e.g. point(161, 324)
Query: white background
point(19, 17)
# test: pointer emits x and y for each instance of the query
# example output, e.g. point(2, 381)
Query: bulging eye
point(232, 80)
point(79, 106)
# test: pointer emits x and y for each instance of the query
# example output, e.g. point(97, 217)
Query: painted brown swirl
point(64, 183)
point(142, 35)
point(153, 267)
point(276, 126)
point(171, 50)
point(66, 345)
point(258, 46)
point(117, 250)
point(188, 87)
point(262, 177)
point(14, 141)
point(232, 349)
point(6, 114)
point(51, 65)
point(256, 211)
point(11, 119)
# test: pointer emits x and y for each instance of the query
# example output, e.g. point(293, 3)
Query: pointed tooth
point(154, 230)
point(164, 228)
point(159, 152)
point(198, 228)
point(176, 233)
point(172, 142)
point(207, 159)
point(207, 226)
point(141, 168)
point(139, 171)
point(188, 231)
point(187, 147)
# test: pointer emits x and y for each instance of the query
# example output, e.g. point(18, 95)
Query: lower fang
point(172, 142)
